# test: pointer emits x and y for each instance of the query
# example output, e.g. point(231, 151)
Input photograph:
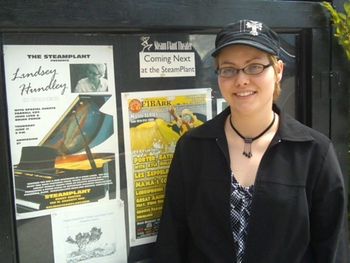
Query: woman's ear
point(279, 70)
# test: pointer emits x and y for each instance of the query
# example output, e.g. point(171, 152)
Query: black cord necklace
point(247, 151)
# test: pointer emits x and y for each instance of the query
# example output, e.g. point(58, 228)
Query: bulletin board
point(90, 163)
point(85, 165)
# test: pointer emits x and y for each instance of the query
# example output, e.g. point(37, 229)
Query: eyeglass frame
point(237, 70)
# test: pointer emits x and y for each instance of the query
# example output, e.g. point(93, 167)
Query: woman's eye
point(253, 68)
point(228, 71)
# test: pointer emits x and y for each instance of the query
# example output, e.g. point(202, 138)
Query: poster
point(88, 234)
point(153, 122)
point(168, 58)
point(62, 125)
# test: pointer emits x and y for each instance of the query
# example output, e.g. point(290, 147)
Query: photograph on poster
point(153, 121)
point(63, 144)
point(88, 78)
point(88, 234)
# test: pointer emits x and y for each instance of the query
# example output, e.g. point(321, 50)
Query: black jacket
point(297, 209)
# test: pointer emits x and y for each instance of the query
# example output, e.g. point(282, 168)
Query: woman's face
point(247, 94)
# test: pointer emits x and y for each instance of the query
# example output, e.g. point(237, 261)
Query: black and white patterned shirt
point(240, 200)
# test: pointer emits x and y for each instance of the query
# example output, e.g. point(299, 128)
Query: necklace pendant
point(247, 152)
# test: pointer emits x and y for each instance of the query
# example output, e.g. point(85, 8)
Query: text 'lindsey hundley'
point(45, 80)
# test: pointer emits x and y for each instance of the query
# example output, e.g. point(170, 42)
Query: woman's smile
point(245, 93)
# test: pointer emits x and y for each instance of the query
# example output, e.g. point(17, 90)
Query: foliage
point(341, 23)
point(83, 239)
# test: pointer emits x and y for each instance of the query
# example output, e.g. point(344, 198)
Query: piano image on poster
point(63, 170)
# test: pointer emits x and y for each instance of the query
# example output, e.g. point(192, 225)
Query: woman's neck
point(250, 125)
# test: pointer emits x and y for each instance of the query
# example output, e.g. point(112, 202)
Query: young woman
point(251, 185)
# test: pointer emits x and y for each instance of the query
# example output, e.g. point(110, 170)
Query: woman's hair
point(277, 91)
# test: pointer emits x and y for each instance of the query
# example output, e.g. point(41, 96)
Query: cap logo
point(255, 26)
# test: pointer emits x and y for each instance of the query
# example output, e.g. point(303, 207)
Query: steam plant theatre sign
point(164, 59)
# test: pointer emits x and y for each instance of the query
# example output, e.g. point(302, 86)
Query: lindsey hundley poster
point(153, 121)
point(62, 123)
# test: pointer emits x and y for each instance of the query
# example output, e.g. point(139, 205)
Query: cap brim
point(244, 42)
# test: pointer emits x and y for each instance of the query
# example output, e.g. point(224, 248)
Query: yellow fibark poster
point(153, 123)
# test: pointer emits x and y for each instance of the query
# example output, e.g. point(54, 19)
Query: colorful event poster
point(88, 233)
point(62, 124)
point(153, 122)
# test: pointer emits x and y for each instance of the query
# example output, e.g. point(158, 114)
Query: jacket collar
point(289, 129)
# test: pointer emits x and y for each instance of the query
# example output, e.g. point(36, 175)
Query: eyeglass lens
point(252, 69)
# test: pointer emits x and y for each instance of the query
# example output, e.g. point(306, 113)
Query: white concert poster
point(62, 125)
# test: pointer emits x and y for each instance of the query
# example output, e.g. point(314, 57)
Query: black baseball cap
point(248, 32)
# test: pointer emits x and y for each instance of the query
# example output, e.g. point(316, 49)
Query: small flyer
point(164, 59)
point(89, 234)
point(62, 125)
point(153, 122)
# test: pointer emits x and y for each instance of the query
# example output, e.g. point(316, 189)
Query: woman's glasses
point(251, 69)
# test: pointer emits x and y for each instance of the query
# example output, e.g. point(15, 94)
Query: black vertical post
point(7, 216)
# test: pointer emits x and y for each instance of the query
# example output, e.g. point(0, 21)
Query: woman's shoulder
point(295, 130)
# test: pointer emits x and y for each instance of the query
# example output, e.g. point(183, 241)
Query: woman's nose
point(241, 79)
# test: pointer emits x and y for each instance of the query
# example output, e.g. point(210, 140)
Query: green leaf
point(342, 16)
point(341, 25)
point(347, 8)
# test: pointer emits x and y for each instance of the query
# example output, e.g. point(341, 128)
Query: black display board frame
point(323, 88)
